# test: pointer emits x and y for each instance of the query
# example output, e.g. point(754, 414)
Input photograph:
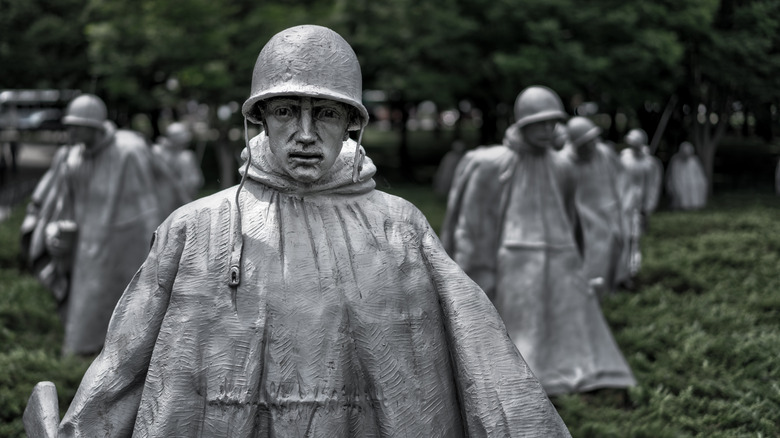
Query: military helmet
point(86, 110)
point(309, 61)
point(178, 133)
point(537, 104)
point(582, 130)
point(636, 137)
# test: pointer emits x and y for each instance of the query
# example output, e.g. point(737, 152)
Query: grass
point(700, 331)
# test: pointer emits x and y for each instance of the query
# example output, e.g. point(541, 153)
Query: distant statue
point(177, 167)
point(90, 220)
point(598, 201)
point(635, 192)
point(560, 136)
point(510, 224)
point(656, 182)
point(442, 181)
point(777, 178)
point(303, 302)
point(686, 182)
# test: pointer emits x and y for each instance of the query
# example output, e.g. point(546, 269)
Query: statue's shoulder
point(223, 200)
point(487, 158)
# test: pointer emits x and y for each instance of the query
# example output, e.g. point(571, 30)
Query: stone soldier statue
point(177, 168)
point(510, 226)
point(685, 179)
point(303, 302)
point(90, 221)
point(597, 200)
point(636, 187)
point(655, 185)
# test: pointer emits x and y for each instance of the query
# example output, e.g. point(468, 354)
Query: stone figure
point(90, 221)
point(598, 202)
point(303, 302)
point(656, 182)
point(685, 179)
point(635, 187)
point(442, 181)
point(509, 225)
point(177, 168)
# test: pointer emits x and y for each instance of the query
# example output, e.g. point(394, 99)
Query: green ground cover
point(700, 331)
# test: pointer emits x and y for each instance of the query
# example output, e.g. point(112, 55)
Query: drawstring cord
point(234, 275)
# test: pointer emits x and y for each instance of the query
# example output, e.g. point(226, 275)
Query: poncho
point(685, 182)
point(508, 225)
point(636, 182)
point(109, 192)
point(599, 212)
point(350, 320)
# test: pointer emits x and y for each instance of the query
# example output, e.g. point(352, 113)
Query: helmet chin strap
point(357, 163)
point(237, 246)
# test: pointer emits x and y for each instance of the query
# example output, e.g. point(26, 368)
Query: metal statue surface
point(686, 182)
point(510, 226)
point(656, 181)
point(635, 192)
point(90, 221)
point(598, 201)
point(177, 168)
point(304, 302)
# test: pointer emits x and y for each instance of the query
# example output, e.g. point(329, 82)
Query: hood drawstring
point(360, 154)
point(234, 273)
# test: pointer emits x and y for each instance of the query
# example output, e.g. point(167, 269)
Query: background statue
point(90, 220)
point(442, 181)
point(510, 226)
point(598, 202)
point(656, 181)
point(685, 179)
point(635, 187)
point(177, 169)
point(303, 302)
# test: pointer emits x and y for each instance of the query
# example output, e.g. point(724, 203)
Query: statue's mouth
point(306, 158)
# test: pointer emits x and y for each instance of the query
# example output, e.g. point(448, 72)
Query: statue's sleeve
point(470, 230)
point(498, 393)
point(107, 400)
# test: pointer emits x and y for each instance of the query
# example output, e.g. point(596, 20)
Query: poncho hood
point(264, 169)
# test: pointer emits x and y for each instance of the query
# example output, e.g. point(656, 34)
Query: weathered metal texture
point(686, 182)
point(42, 413)
point(508, 225)
point(350, 321)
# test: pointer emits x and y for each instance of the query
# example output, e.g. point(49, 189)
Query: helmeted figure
point(90, 221)
point(598, 202)
point(304, 302)
point(635, 192)
point(686, 183)
point(510, 225)
point(177, 169)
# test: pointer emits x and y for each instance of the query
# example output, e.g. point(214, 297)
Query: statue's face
point(540, 134)
point(305, 134)
point(83, 134)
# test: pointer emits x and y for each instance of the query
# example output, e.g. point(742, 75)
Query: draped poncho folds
point(109, 192)
point(509, 226)
point(350, 320)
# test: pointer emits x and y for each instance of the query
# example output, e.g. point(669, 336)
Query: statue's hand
point(61, 238)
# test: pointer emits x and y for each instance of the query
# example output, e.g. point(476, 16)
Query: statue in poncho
point(303, 302)
point(177, 169)
point(686, 183)
point(90, 221)
point(442, 180)
point(510, 226)
point(635, 192)
point(597, 199)
point(656, 182)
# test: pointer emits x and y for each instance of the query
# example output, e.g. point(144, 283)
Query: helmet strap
point(357, 163)
point(234, 272)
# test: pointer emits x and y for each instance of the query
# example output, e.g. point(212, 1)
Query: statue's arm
point(108, 398)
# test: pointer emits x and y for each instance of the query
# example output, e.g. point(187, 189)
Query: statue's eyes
point(283, 112)
point(327, 113)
